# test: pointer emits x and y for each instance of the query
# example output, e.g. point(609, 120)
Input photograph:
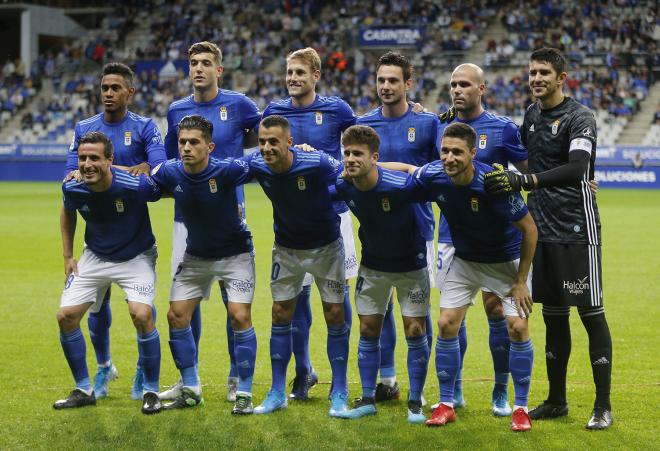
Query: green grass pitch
point(33, 372)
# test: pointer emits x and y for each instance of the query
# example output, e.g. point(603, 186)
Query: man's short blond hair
point(206, 47)
point(307, 55)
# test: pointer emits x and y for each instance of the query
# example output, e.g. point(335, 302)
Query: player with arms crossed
point(138, 147)
point(494, 240)
point(560, 135)
point(498, 142)
point(307, 240)
point(319, 122)
point(406, 136)
point(219, 246)
point(233, 115)
point(120, 248)
point(382, 199)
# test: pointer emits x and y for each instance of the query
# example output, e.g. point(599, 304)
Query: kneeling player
point(490, 253)
point(120, 248)
point(219, 246)
point(381, 200)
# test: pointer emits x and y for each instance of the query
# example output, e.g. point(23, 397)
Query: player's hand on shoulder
point(75, 174)
point(448, 116)
point(523, 298)
point(502, 181)
point(305, 147)
point(70, 266)
point(139, 169)
point(418, 107)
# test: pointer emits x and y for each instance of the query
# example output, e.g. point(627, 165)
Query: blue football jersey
point(117, 225)
point(480, 223)
point(207, 202)
point(135, 139)
point(498, 141)
point(390, 226)
point(232, 115)
point(320, 125)
point(303, 214)
point(412, 139)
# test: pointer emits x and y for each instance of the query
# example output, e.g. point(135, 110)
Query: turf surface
point(33, 372)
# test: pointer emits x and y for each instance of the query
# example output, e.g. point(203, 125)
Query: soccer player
point(498, 142)
point(119, 248)
point(138, 147)
point(307, 240)
point(410, 137)
point(560, 135)
point(382, 199)
point(494, 240)
point(319, 122)
point(233, 115)
point(219, 246)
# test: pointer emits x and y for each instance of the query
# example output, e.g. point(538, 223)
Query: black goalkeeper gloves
point(447, 116)
point(501, 181)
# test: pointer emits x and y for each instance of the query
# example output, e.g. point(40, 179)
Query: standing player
point(219, 246)
point(409, 137)
point(233, 115)
point(489, 252)
point(560, 135)
point(138, 147)
point(381, 200)
point(318, 121)
point(119, 248)
point(307, 240)
point(498, 142)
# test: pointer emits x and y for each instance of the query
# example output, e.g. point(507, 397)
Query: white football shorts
point(325, 263)
point(465, 279)
point(194, 278)
point(373, 290)
point(137, 277)
point(179, 236)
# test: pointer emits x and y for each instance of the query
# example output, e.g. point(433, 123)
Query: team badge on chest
point(127, 138)
point(318, 116)
point(411, 134)
point(119, 205)
point(555, 127)
point(474, 204)
point(223, 113)
point(385, 203)
point(213, 187)
point(483, 141)
point(302, 186)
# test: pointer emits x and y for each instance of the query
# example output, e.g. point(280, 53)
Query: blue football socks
point(99, 331)
point(498, 340)
point(447, 363)
point(245, 342)
point(300, 324)
point(73, 345)
point(368, 362)
point(182, 345)
point(338, 356)
point(521, 359)
point(280, 353)
point(418, 363)
point(387, 345)
point(149, 352)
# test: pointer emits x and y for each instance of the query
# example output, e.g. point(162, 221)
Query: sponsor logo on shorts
point(578, 286)
point(351, 262)
point(144, 289)
point(337, 287)
point(242, 286)
point(417, 296)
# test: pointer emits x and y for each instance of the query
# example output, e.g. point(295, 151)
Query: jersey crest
point(302, 186)
point(319, 118)
point(555, 127)
point(213, 186)
point(411, 134)
point(119, 205)
point(483, 140)
point(223, 113)
point(474, 204)
point(385, 203)
point(127, 138)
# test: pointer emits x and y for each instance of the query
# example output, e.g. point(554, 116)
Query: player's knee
point(67, 320)
point(334, 313)
point(415, 328)
point(175, 319)
point(369, 330)
point(518, 330)
point(493, 307)
point(142, 319)
point(241, 319)
point(448, 326)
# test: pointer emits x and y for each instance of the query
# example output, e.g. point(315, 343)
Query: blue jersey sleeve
point(249, 113)
point(335, 196)
point(512, 143)
point(69, 203)
point(149, 189)
point(330, 168)
point(72, 154)
point(346, 115)
point(512, 207)
point(153, 144)
point(171, 139)
point(238, 171)
point(159, 175)
point(435, 151)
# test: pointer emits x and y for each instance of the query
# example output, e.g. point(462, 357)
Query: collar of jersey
point(392, 119)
